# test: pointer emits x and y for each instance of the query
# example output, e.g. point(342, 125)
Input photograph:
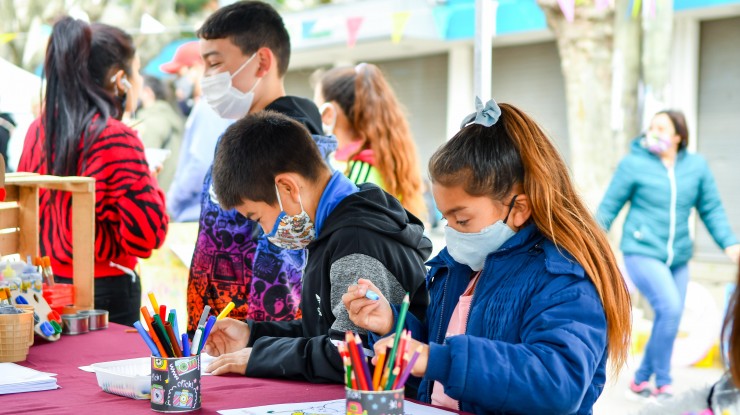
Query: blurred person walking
point(160, 127)
point(662, 182)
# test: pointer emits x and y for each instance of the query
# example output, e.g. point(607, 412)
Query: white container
point(130, 378)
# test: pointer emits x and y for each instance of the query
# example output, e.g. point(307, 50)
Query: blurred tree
point(606, 54)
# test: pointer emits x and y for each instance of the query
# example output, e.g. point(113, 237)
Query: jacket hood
point(374, 209)
point(300, 109)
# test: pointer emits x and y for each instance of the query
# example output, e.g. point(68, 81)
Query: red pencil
point(361, 381)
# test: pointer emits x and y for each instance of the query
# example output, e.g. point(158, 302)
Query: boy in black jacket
point(271, 171)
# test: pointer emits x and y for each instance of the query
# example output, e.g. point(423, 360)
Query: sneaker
point(664, 392)
point(639, 392)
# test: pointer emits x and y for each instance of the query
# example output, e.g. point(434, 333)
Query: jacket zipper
point(430, 384)
point(467, 315)
point(672, 230)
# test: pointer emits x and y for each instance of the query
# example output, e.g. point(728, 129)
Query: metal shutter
point(719, 119)
point(529, 77)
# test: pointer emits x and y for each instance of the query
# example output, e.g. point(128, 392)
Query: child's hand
point(372, 315)
point(235, 362)
point(420, 367)
point(227, 336)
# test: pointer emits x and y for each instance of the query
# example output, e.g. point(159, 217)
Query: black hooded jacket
point(367, 235)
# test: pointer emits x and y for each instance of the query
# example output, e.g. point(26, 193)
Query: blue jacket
point(536, 334)
point(661, 200)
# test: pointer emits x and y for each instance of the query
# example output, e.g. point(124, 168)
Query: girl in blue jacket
point(526, 300)
point(662, 181)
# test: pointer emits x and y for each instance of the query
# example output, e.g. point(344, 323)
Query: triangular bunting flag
point(7, 37)
point(568, 7)
point(442, 19)
point(353, 27)
point(400, 19)
point(150, 25)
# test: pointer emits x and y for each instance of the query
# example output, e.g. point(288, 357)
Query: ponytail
point(77, 102)
point(377, 117)
point(492, 160)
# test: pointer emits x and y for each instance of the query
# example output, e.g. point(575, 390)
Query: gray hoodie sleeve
point(346, 271)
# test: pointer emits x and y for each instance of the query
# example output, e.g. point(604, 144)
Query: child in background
point(526, 301)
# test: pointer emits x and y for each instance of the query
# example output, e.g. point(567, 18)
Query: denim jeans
point(665, 289)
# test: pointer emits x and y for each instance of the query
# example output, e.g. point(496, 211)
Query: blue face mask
point(472, 249)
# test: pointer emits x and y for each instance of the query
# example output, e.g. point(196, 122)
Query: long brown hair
point(376, 115)
point(731, 334)
point(491, 161)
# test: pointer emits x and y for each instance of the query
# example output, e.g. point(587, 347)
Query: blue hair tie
point(485, 115)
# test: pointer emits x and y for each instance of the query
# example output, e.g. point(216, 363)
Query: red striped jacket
point(130, 212)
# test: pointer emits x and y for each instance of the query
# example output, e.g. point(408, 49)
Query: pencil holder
point(361, 402)
point(175, 384)
point(14, 336)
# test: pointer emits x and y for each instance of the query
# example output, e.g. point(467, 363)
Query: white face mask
point(224, 98)
point(328, 128)
point(472, 249)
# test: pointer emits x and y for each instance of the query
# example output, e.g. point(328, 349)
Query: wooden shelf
point(19, 225)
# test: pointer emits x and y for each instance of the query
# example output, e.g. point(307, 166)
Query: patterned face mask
point(292, 232)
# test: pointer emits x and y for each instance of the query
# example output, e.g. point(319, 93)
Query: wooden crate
point(19, 225)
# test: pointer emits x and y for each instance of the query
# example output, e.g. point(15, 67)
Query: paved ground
point(614, 401)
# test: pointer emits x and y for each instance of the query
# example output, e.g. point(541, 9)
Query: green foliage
point(190, 7)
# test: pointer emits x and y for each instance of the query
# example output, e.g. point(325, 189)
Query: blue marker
point(148, 340)
point(206, 332)
point(372, 295)
point(185, 345)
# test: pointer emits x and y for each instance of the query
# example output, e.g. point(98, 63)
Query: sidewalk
point(614, 401)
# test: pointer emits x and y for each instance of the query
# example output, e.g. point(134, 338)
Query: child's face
point(221, 55)
point(466, 213)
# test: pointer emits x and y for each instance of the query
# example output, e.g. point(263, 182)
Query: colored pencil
point(363, 363)
point(407, 371)
point(378, 370)
point(399, 327)
point(354, 354)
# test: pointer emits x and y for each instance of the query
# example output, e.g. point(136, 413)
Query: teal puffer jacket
point(661, 200)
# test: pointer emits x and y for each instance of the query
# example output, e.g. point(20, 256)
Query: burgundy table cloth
point(80, 393)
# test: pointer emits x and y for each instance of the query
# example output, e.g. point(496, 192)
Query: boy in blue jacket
point(526, 302)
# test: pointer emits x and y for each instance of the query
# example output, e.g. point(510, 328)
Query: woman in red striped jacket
point(92, 78)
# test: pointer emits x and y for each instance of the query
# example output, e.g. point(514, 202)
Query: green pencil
point(399, 327)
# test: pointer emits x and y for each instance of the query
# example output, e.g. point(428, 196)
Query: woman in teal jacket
point(662, 181)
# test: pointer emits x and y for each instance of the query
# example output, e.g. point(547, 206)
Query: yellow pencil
point(226, 311)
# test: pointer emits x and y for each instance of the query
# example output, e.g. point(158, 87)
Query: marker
point(162, 312)
point(372, 295)
point(196, 341)
point(150, 324)
point(204, 316)
point(173, 320)
point(153, 299)
point(206, 332)
point(225, 312)
point(148, 340)
point(173, 339)
point(185, 345)
point(161, 331)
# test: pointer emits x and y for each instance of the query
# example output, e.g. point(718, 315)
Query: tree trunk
point(657, 27)
point(585, 47)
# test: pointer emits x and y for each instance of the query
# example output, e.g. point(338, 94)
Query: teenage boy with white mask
point(246, 49)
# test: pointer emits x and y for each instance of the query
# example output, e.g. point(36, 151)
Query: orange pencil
point(152, 333)
point(378, 370)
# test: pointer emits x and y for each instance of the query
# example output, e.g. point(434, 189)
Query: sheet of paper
point(335, 407)
point(17, 378)
point(156, 157)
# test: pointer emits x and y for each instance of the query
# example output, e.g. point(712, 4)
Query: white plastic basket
point(130, 378)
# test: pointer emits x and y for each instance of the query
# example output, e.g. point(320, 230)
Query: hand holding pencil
point(368, 308)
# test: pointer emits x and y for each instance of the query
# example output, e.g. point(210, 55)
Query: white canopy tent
point(20, 91)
